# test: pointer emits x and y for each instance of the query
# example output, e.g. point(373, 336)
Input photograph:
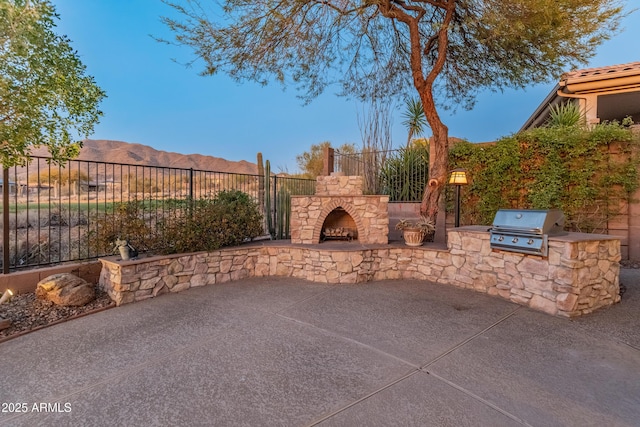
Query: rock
point(4, 323)
point(66, 289)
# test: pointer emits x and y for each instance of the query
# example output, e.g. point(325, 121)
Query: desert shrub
point(230, 218)
point(30, 247)
point(127, 221)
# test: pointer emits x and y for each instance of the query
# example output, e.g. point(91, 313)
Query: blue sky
point(155, 101)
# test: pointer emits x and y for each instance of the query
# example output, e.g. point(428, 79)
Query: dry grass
point(45, 237)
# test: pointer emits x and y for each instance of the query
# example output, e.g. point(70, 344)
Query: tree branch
point(341, 11)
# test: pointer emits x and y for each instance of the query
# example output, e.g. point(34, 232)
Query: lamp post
point(458, 178)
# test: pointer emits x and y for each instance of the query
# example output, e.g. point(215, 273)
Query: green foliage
point(440, 50)
point(404, 174)
point(60, 176)
point(414, 118)
point(267, 198)
point(128, 221)
point(230, 218)
point(566, 114)
point(284, 213)
point(585, 173)
point(366, 45)
point(45, 97)
point(311, 162)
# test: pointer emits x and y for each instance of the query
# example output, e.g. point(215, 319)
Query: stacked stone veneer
point(579, 276)
point(370, 213)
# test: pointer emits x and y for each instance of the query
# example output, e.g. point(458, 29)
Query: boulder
point(66, 289)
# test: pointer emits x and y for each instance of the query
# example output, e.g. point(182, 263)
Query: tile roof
point(603, 72)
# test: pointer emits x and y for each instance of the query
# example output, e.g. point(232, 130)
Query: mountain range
point(102, 150)
point(138, 154)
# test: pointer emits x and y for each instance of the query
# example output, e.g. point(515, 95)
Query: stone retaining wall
point(579, 276)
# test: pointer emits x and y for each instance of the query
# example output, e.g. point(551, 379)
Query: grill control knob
point(515, 240)
point(530, 241)
point(500, 239)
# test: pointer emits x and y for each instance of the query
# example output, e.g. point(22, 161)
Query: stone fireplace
point(339, 211)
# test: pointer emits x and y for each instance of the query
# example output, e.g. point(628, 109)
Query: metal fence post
point(5, 220)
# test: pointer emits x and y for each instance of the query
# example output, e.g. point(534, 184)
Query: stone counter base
point(580, 275)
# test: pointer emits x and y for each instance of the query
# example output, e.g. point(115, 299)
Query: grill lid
point(525, 231)
point(529, 221)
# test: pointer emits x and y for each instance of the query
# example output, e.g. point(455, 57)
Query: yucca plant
point(565, 115)
point(415, 120)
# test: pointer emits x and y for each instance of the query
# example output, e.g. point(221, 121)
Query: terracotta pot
point(413, 236)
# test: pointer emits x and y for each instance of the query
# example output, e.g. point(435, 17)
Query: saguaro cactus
point(267, 198)
point(284, 213)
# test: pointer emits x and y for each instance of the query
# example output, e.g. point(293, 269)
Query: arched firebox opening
point(339, 225)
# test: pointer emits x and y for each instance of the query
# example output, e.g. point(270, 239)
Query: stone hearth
point(339, 203)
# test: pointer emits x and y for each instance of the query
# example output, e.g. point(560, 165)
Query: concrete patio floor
point(274, 351)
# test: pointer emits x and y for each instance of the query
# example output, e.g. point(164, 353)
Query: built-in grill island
point(526, 231)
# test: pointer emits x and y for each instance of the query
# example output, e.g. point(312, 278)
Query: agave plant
point(422, 224)
point(566, 114)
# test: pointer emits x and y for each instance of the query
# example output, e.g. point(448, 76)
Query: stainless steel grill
point(526, 230)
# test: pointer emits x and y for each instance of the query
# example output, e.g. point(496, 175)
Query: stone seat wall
point(579, 276)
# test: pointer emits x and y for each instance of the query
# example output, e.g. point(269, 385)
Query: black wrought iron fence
point(401, 174)
point(50, 213)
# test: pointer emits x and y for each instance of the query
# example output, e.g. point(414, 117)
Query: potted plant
point(416, 232)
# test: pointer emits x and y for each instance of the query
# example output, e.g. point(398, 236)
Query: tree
point(311, 162)
point(441, 49)
point(60, 176)
point(45, 97)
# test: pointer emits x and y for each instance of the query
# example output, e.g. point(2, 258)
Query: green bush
point(176, 226)
point(230, 218)
point(588, 174)
point(127, 221)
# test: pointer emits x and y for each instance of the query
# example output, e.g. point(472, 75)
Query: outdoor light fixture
point(458, 178)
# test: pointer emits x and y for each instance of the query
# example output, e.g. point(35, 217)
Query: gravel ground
point(629, 263)
point(27, 312)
